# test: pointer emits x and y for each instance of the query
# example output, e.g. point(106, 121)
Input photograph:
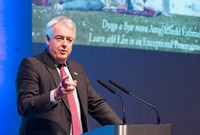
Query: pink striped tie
point(76, 129)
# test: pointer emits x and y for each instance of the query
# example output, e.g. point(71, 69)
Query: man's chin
point(62, 60)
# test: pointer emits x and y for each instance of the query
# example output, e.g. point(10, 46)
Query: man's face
point(60, 43)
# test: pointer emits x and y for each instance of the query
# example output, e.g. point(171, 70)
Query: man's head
point(60, 36)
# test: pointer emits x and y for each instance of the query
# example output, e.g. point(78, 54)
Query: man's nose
point(64, 43)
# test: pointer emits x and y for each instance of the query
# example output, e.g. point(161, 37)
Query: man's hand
point(65, 87)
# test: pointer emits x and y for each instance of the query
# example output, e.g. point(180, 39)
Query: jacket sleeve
point(30, 98)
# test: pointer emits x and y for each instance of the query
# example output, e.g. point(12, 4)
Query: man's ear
point(47, 39)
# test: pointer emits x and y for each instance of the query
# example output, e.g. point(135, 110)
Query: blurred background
point(157, 59)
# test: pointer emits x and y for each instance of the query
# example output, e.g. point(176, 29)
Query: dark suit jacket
point(36, 77)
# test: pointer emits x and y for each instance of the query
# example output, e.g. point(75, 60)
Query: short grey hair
point(55, 20)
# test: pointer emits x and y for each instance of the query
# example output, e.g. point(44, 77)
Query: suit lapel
point(50, 66)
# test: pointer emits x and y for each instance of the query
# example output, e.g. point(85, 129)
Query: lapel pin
point(75, 73)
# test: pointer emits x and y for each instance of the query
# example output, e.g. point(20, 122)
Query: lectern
point(137, 129)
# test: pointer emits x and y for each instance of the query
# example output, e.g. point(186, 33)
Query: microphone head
point(119, 87)
point(106, 86)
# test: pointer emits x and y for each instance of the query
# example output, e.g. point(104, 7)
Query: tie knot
point(62, 70)
point(61, 66)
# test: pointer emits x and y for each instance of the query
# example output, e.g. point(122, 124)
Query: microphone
point(114, 92)
point(143, 101)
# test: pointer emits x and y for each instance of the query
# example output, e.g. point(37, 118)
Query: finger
point(71, 88)
point(64, 84)
point(71, 84)
point(67, 92)
point(76, 83)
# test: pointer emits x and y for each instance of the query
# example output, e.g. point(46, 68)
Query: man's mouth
point(63, 51)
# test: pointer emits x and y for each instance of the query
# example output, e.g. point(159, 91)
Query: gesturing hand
point(65, 87)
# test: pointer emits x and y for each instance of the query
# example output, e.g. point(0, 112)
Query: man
point(42, 90)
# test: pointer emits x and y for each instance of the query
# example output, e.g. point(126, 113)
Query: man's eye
point(69, 40)
point(59, 38)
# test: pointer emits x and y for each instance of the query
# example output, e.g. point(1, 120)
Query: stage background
point(168, 80)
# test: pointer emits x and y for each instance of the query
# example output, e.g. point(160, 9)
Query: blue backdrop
point(15, 42)
point(170, 81)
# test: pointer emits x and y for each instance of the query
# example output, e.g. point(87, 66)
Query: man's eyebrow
point(58, 36)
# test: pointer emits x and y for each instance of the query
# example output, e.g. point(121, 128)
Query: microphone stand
point(114, 92)
point(143, 101)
